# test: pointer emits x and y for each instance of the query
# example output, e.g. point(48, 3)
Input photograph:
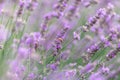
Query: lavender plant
point(59, 40)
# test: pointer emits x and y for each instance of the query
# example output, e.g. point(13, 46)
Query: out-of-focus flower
point(96, 76)
point(23, 52)
point(3, 33)
point(76, 35)
point(70, 73)
point(88, 68)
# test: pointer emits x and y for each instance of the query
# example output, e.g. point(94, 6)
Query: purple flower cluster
point(59, 40)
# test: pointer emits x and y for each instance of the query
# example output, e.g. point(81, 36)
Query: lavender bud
point(20, 10)
point(111, 54)
point(76, 35)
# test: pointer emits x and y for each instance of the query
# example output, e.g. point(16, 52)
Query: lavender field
point(59, 39)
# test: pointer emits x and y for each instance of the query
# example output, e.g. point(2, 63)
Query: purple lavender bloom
point(94, 48)
point(23, 52)
point(70, 73)
point(101, 12)
point(65, 55)
point(17, 69)
point(63, 75)
point(88, 68)
point(66, 47)
point(105, 70)
point(111, 54)
point(76, 35)
point(14, 65)
point(3, 33)
point(107, 43)
point(20, 10)
point(114, 74)
point(53, 66)
point(29, 41)
point(96, 76)
point(31, 76)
